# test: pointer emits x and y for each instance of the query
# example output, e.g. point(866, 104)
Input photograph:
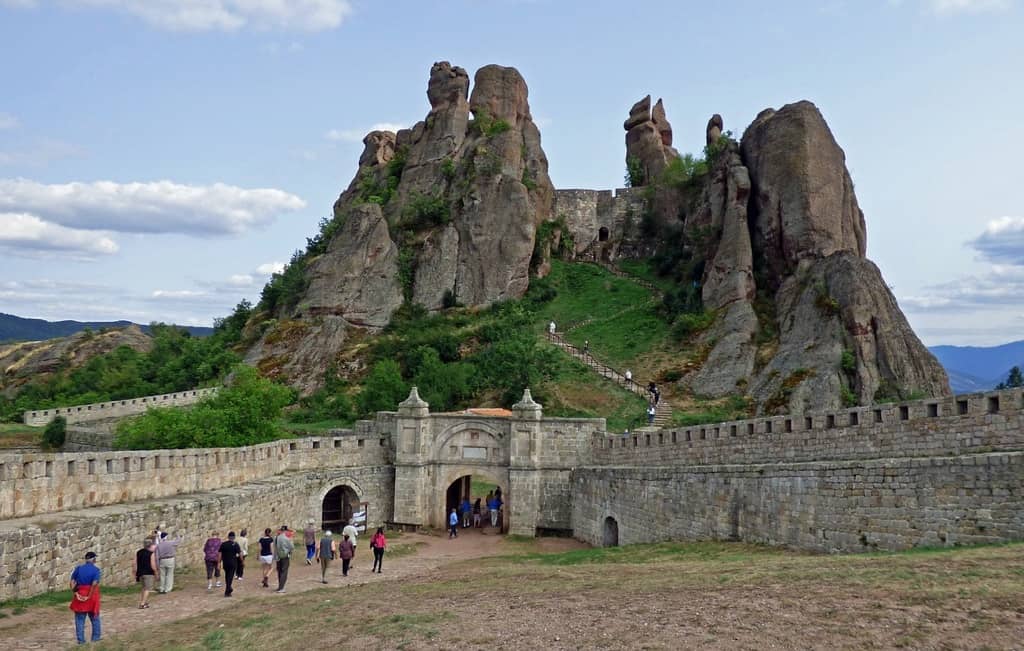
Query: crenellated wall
point(36, 483)
point(604, 224)
point(116, 408)
point(933, 427)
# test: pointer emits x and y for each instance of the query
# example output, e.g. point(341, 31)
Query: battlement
point(972, 423)
point(116, 408)
point(36, 483)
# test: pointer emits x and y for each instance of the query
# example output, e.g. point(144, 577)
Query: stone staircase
point(663, 410)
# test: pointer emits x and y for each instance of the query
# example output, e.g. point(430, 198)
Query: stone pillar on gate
point(412, 452)
point(524, 472)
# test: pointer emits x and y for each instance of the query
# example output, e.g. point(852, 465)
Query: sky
point(159, 159)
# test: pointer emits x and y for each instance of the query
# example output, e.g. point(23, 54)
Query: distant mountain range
point(979, 368)
point(16, 328)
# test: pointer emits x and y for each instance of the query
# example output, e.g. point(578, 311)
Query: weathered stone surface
point(378, 148)
point(803, 195)
point(357, 278)
point(649, 139)
point(714, 130)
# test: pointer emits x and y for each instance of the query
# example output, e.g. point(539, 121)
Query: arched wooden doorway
point(338, 506)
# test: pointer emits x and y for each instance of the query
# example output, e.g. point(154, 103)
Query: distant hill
point(16, 328)
point(979, 368)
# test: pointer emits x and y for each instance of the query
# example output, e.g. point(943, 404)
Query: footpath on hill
point(414, 555)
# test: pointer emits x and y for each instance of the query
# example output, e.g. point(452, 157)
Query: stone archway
point(474, 482)
point(337, 506)
point(602, 234)
point(610, 536)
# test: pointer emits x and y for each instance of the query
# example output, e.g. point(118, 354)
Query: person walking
point(309, 538)
point(266, 543)
point(325, 553)
point(346, 550)
point(629, 376)
point(453, 524)
point(353, 535)
point(85, 597)
point(651, 411)
point(467, 512)
point(228, 557)
point(166, 550)
point(378, 543)
point(211, 554)
point(492, 509)
point(145, 570)
point(551, 327)
point(243, 544)
point(283, 548)
point(476, 513)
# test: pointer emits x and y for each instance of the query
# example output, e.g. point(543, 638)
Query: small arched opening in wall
point(337, 507)
point(602, 234)
point(480, 485)
point(610, 537)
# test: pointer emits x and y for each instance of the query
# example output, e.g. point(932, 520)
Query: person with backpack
point(211, 555)
point(309, 538)
point(266, 543)
point(378, 543)
point(325, 554)
point(228, 555)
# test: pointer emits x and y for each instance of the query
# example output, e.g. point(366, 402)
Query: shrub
point(688, 324)
point(55, 433)
point(484, 124)
point(424, 211)
point(684, 172)
point(384, 388)
point(848, 361)
point(448, 168)
point(635, 176)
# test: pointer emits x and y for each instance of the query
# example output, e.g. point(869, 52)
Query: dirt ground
point(487, 591)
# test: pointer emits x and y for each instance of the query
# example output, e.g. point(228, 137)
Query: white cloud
point(223, 15)
point(946, 7)
point(7, 121)
point(157, 207)
point(1002, 241)
point(268, 268)
point(26, 234)
point(357, 135)
point(177, 294)
point(241, 280)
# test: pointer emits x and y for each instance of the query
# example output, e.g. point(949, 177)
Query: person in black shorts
point(266, 555)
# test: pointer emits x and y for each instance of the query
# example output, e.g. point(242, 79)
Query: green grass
point(619, 339)
point(712, 411)
point(586, 291)
point(13, 435)
point(652, 553)
point(56, 598)
point(577, 392)
point(644, 270)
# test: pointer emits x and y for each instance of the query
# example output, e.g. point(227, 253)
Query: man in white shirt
point(352, 534)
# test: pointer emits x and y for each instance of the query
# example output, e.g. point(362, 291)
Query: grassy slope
point(704, 595)
point(13, 435)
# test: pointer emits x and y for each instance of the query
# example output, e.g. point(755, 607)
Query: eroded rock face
point(649, 139)
point(445, 210)
point(804, 198)
point(827, 331)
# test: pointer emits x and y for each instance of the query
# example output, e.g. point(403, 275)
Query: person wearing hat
point(85, 597)
point(228, 556)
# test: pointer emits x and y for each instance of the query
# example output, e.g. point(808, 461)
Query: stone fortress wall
point(605, 224)
point(115, 408)
point(927, 472)
point(921, 473)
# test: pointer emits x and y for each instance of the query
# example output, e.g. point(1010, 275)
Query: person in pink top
point(211, 554)
point(377, 543)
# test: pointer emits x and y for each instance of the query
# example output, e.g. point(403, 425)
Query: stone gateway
point(945, 471)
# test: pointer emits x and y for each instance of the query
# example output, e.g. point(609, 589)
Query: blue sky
point(158, 158)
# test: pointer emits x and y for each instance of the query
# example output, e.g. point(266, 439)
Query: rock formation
point(443, 212)
point(827, 330)
point(648, 140)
